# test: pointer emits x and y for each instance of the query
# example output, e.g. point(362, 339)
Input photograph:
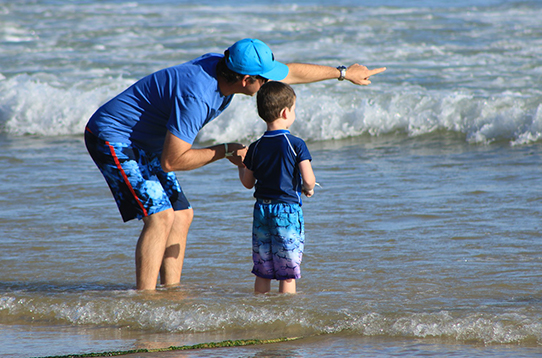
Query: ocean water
point(424, 239)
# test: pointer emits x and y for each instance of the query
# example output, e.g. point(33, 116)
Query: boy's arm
point(309, 180)
point(247, 177)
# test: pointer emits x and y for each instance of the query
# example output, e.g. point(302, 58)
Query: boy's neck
point(276, 125)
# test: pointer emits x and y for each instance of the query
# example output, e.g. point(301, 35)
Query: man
point(140, 137)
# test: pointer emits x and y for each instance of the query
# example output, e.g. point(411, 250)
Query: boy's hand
point(308, 193)
point(239, 152)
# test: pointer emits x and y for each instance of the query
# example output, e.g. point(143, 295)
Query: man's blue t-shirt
point(274, 160)
point(181, 99)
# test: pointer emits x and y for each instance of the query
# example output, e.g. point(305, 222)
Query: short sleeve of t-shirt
point(302, 151)
point(188, 116)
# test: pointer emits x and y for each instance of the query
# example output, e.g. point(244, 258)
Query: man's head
point(246, 66)
point(274, 97)
point(253, 57)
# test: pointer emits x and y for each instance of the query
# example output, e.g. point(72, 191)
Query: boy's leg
point(261, 250)
point(287, 286)
point(262, 285)
point(288, 240)
point(172, 264)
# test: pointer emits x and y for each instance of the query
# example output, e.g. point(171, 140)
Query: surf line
point(229, 343)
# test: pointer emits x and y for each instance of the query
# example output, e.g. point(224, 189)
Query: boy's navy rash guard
point(274, 160)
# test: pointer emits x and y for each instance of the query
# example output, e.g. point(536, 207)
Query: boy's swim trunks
point(278, 238)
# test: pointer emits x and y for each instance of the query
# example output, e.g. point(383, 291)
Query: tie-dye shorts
point(278, 239)
point(136, 179)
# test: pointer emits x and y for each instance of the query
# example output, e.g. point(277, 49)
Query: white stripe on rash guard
point(285, 136)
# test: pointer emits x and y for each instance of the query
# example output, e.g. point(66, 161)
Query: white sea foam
point(93, 309)
point(469, 70)
point(325, 114)
point(30, 105)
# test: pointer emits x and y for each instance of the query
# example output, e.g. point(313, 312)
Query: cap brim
point(278, 73)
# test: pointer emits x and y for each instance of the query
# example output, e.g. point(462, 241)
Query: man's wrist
point(342, 75)
point(226, 153)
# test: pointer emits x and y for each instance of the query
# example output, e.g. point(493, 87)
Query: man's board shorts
point(136, 179)
point(278, 239)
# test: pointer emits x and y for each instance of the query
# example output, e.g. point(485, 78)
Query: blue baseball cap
point(253, 57)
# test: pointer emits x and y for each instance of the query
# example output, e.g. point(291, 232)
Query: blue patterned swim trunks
point(136, 179)
point(278, 239)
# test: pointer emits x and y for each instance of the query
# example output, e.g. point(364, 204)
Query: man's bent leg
point(151, 247)
point(172, 264)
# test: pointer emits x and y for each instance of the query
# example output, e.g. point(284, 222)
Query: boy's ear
point(283, 114)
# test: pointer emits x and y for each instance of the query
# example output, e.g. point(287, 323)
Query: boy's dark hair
point(230, 76)
point(272, 98)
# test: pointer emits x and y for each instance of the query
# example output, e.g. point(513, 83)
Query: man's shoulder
point(195, 79)
point(201, 67)
point(208, 58)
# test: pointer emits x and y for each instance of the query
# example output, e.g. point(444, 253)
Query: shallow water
point(426, 240)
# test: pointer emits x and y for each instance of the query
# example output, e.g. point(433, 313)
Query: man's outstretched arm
point(308, 73)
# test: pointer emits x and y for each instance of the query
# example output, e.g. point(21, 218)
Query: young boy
point(278, 164)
